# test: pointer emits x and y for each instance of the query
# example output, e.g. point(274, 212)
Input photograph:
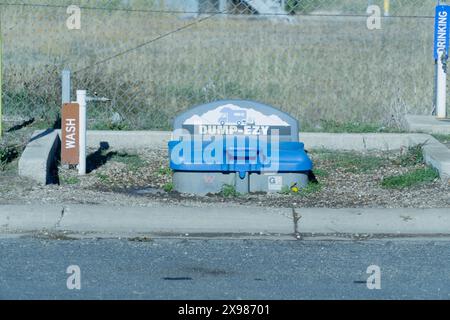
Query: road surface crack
point(296, 217)
point(58, 223)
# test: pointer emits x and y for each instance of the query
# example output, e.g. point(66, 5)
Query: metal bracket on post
point(97, 99)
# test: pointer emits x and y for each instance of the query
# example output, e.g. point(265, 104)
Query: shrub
point(409, 179)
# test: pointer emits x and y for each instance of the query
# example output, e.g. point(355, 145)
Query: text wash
point(71, 133)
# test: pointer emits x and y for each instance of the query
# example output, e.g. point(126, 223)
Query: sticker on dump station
point(275, 183)
point(238, 118)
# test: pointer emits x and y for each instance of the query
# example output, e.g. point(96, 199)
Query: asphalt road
point(33, 268)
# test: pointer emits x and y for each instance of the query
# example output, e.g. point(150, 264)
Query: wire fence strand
point(317, 59)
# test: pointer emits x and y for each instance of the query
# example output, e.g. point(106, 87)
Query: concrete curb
point(437, 155)
point(39, 156)
point(180, 220)
point(26, 217)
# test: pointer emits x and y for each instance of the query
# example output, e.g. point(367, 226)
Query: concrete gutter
point(128, 139)
point(362, 141)
point(42, 150)
point(39, 157)
point(437, 155)
point(428, 124)
point(236, 220)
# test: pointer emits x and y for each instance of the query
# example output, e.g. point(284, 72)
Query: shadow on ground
point(99, 158)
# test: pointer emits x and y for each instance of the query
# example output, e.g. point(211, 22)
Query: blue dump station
point(245, 144)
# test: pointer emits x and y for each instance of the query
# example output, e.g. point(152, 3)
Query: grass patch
point(443, 138)
point(7, 155)
point(321, 173)
point(168, 187)
point(229, 191)
point(347, 127)
point(409, 179)
point(286, 190)
point(351, 161)
point(43, 124)
point(413, 156)
point(165, 171)
point(311, 188)
point(333, 126)
point(103, 178)
point(133, 161)
point(69, 180)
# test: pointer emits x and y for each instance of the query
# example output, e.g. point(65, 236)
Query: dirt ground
point(143, 179)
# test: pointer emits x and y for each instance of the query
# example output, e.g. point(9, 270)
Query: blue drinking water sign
point(441, 30)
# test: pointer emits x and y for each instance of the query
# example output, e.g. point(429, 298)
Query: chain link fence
point(316, 59)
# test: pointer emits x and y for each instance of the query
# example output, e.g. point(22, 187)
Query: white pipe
point(65, 86)
point(387, 8)
point(441, 90)
point(81, 100)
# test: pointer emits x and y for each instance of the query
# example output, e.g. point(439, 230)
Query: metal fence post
point(387, 8)
point(1, 85)
point(65, 93)
point(222, 5)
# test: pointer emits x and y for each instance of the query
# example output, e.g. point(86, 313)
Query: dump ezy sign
point(70, 135)
point(238, 117)
point(441, 30)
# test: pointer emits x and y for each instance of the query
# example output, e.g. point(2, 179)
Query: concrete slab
point(26, 217)
point(406, 221)
point(38, 158)
point(427, 124)
point(177, 219)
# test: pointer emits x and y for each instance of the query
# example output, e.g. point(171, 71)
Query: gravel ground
point(127, 178)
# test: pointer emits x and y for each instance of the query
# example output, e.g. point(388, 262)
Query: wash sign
point(70, 136)
point(441, 30)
